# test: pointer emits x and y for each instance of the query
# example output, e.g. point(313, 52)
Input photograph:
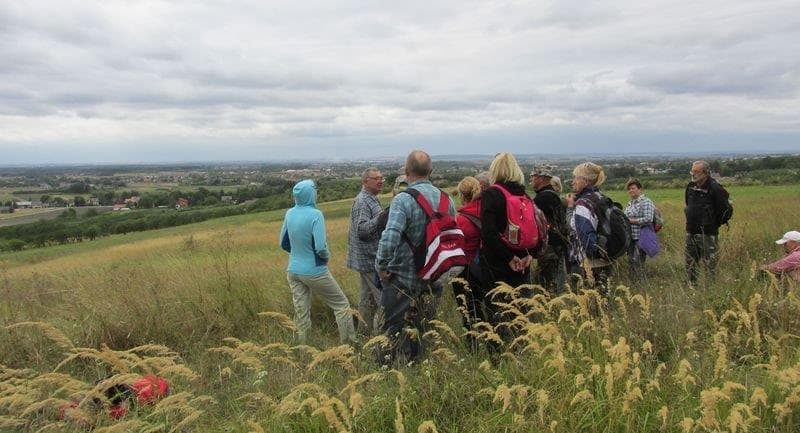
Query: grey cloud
point(775, 79)
point(571, 14)
point(364, 71)
point(266, 80)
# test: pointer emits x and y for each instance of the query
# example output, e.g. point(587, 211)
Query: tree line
point(71, 228)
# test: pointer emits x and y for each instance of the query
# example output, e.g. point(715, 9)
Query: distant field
point(6, 194)
point(143, 187)
point(665, 354)
point(24, 216)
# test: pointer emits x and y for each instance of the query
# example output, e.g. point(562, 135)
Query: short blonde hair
point(469, 188)
point(504, 168)
point(591, 172)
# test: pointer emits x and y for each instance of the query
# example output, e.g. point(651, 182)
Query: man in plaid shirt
point(366, 222)
point(640, 211)
point(404, 294)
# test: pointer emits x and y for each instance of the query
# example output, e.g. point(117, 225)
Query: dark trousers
point(491, 276)
point(601, 276)
point(406, 313)
point(552, 272)
point(701, 250)
point(473, 305)
point(636, 259)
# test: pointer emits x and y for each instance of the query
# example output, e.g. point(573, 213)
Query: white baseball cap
point(793, 235)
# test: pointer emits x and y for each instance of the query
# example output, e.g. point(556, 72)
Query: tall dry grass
point(664, 357)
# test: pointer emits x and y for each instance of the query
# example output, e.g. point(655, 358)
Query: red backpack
point(442, 253)
point(522, 231)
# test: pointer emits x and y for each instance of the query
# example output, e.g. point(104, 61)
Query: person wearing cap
point(400, 184)
point(789, 265)
point(367, 220)
point(552, 268)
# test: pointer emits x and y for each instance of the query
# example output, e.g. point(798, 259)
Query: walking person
point(640, 211)
point(303, 237)
point(552, 267)
point(366, 217)
point(406, 298)
point(707, 208)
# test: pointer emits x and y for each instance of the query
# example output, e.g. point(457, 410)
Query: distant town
point(41, 206)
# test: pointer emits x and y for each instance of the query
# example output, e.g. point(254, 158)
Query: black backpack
point(726, 212)
point(613, 227)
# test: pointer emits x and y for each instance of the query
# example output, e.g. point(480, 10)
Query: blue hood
point(305, 193)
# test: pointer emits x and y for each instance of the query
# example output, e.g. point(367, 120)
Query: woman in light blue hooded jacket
point(303, 237)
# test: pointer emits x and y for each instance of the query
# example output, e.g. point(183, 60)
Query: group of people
point(573, 243)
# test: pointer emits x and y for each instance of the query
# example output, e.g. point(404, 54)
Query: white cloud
point(100, 77)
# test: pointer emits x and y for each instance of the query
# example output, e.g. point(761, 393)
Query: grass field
point(721, 357)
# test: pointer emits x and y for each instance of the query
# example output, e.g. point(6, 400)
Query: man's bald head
point(418, 164)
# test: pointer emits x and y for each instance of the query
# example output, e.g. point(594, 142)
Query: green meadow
point(184, 303)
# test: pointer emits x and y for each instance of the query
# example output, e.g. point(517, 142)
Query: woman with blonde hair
point(500, 260)
point(468, 219)
point(586, 181)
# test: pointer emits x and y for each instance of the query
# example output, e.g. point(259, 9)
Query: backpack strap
point(425, 205)
point(472, 218)
point(507, 193)
point(502, 189)
point(421, 201)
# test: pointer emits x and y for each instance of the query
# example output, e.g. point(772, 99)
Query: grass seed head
point(427, 427)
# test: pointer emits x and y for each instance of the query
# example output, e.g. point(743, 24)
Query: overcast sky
point(146, 81)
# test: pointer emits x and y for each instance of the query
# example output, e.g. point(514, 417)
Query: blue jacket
point(303, 233)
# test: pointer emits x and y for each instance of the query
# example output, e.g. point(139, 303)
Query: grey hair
point(367, 172)
point(704, 165)
point(485, 179)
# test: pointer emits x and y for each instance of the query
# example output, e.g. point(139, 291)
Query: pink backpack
point(442, 254)
point(522, 231)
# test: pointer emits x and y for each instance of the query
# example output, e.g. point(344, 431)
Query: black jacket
point(705, 206)
point(494, 221)
point(548, 200)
